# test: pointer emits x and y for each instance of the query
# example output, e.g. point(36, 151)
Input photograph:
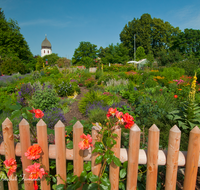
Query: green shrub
point(36, 75)
point(44, 97)
point(97, 115)
point(171, 73)
point(150, 83)
point(93, 96)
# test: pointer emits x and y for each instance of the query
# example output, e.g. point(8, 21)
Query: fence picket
point(133, 157)
point(60, 152)
point(77, 152)
point(113, 169)
point(43, 143)
point(152, 158)
point(8, 138)
point(95, 167)
point(24, 131)
point(172, 158)
point(192, 160)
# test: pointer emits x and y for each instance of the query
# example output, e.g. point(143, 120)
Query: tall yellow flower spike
point(193, 89)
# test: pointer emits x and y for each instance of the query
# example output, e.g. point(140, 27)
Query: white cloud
point(47, 22)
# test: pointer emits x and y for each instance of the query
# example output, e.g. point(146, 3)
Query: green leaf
point(87, 166)
point(104, 187)
point(54, 179)
point(93, 186)
point(122, 186)
point(16, 113)
point(99, 159)
point(15, 107)
point(122, 173)
point(109, 159)
point(85, 187)
point(94, 178)
point(105, 181)
point(114, 135)
point(70, 145)
point(69, 166)
point(125, 164)
point(69, 129)
point(3, 176)
point(98, 150)
point(60, 187)
point(24, 115)
point(76, 185)
point(116, 161)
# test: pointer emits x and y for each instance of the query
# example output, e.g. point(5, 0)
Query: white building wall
point(45, 52)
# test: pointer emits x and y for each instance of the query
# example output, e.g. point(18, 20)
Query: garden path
point(74, 111)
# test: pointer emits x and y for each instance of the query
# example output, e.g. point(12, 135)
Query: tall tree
point(85, 49)
point(188, 42)
point(114, 54)
point(12, 42)
point(152, 34)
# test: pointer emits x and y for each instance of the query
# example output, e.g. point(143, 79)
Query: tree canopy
point(153, 34)
point(114, 54)
point(12, 42)
point(84, 53)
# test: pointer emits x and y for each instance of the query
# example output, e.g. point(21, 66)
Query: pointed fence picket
point(153, 157)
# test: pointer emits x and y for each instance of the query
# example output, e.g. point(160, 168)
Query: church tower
point(45, 47)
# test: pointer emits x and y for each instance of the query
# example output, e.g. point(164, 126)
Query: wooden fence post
point(133, 157)
point(114, 170)
point(95, 167)
point(172, 158)
point(192, 160)
point(60, 152)
point(8, 138)
point(77, 152)
point(43, 143)
point(25, 143)
point(152, 158)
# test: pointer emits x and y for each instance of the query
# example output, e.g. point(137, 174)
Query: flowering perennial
point(33, 152)
point(123, 119)
point(11, 166)
point(35, 173)
point(38, 113)
point(86, 143)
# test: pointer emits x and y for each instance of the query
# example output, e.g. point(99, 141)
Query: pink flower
point(35, 173)
point(86, 143)
point(11, 165)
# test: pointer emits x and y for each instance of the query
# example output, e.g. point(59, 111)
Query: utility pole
point(134, 48)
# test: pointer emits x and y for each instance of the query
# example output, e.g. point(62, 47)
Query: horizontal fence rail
point(152, 157)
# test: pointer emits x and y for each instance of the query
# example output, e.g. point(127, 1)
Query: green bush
point(44, 97)
point(97, 115)
point(93, 96)
point(171, 73)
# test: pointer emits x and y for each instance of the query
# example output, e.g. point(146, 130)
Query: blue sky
point(68, 22)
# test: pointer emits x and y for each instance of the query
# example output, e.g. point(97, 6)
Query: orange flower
point(11, 165)
point(175, 96)
point(86, 143)
point(35, 173)
point(33, 152)
point(38, 113)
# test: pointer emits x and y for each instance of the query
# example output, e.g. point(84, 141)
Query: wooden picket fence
point(152, 156)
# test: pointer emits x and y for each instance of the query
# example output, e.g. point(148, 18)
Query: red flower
point(33, 152)
point(111, 112)
point(38, 113)
point(128, 120)
point(175, 96)
point(86, 143)
point(161, 89)
point(35, 172)
point(11, 165)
